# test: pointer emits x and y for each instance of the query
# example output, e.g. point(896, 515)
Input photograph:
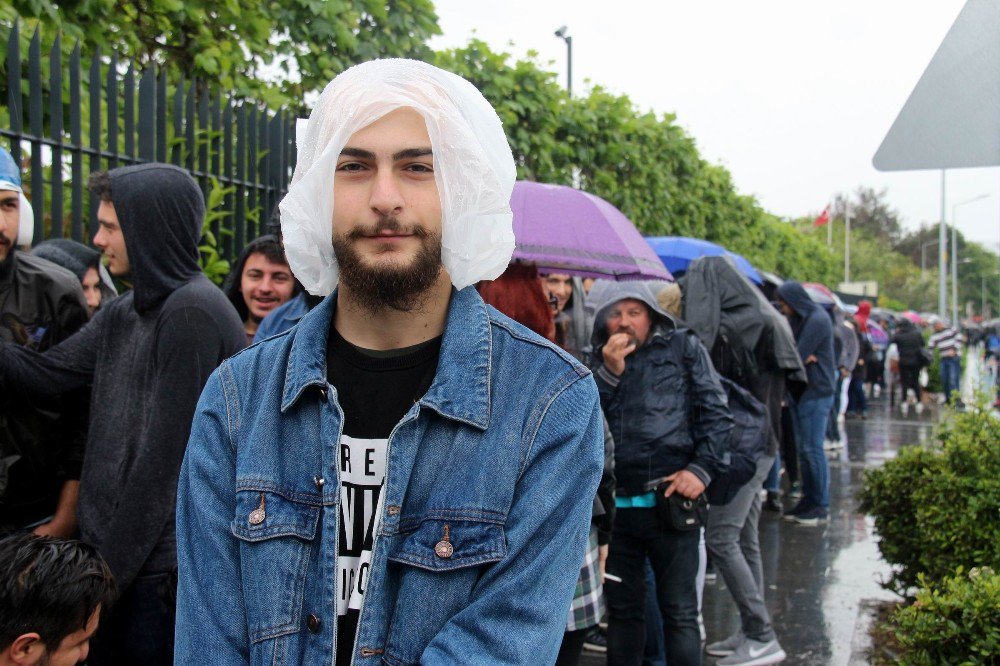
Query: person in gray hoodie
point(147, 354)
point(813, 330)
point(670, 420)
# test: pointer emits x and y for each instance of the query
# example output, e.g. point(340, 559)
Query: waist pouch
point(679, 513)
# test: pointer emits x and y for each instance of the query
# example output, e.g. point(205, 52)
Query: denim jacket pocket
point(276, 536)
point(448, 572)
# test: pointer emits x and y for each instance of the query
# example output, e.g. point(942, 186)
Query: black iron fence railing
point(118, 115)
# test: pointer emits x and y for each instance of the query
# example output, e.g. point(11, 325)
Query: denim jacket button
point(444, 549)
point(313, 622)
point(392, 510)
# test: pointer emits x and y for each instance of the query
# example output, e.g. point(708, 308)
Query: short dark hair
point(99, 184)
point(49, 586)
point(270, 248)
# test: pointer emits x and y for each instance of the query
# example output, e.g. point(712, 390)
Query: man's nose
point(386, 196)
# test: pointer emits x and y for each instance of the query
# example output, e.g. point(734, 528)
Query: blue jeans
point(810, 424)
point(638, 535)
point(951, 373)
point(857, 402)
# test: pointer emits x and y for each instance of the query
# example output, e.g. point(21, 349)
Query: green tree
point(274, 51)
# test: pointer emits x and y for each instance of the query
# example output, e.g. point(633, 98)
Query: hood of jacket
point(77, 258)
point(161, 210)
point(606, 293)
point(720, 300)
point(795, 295)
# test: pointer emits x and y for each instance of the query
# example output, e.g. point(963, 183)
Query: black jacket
point(668, 411)
point(813, 329)
point(148, 355)
point(41, 439)
point(909, 342)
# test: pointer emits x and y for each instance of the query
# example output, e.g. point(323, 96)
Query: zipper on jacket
point(375, 539)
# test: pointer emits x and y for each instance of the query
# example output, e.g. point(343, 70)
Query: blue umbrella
point(677, 253)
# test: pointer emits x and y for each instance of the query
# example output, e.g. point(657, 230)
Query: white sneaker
point(754, 653)
point(920, 407)
point(726, 646)
point(877, 390)
point(905, 408)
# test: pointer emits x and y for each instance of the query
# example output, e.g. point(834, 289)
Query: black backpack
point(747, 443)
point(748, 438)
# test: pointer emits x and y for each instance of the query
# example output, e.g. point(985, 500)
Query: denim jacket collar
point(461, 387)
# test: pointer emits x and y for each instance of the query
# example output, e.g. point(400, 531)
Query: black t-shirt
point(375, 389)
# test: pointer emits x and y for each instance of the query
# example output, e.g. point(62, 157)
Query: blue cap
point(10, 173)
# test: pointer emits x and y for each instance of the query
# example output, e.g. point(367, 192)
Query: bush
point(957, 623)
point(937, 509)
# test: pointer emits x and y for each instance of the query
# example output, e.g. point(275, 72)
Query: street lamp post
point(563, 34)
point(923, 256)
point(954, 256)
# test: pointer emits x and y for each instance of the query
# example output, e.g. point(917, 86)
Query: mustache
point(387, 223)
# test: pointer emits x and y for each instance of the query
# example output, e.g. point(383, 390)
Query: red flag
point(823, 218)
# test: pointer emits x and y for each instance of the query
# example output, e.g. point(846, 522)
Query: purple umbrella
point(564, 230)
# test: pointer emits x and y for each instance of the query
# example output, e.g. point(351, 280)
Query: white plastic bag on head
point(473, 168)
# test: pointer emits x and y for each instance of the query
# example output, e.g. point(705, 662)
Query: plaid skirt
point(588, 600)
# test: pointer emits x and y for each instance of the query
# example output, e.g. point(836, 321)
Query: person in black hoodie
point(148, 355)
point(910, 344)
point(813, 330)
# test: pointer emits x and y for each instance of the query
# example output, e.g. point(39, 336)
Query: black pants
point(789, 449)
point(572, 646)
point(673, 556)
point(909, 377)
point(140, 627)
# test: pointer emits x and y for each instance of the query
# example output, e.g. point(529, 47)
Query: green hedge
point(956, 622)
point(937, 509)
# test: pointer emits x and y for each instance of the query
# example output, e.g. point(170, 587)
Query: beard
point(381, 287)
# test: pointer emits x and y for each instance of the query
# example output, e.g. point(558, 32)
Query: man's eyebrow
point(410, 153)
point(357, 152)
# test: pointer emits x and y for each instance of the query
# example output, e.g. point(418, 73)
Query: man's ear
point(26, 650)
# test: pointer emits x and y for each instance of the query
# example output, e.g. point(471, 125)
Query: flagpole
point(847, 242)
point(829, 232)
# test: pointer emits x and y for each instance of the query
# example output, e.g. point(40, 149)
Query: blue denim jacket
point(506, 449)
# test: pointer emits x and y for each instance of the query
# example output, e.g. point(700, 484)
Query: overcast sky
point(792, 96)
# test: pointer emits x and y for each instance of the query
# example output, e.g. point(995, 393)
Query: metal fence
point(119, 116)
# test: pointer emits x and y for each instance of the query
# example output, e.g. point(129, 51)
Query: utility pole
point(942, 256)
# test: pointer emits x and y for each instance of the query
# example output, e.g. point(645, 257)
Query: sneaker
point(773, 502)
point(876, 390)
point(799, 508)
point(813, 516)
point(796, 492)
point(726, 646)
point(596, 641)
point(830, 445)
point(754, 653)
point(905, 408)
point(920, 408)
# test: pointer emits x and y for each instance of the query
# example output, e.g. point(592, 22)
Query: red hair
point(518, 294)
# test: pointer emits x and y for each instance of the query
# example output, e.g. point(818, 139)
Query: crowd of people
point(344, 456)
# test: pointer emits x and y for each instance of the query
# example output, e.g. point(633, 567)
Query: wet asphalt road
point(820, 579)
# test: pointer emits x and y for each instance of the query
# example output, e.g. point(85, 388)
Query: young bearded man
point(407, 476)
